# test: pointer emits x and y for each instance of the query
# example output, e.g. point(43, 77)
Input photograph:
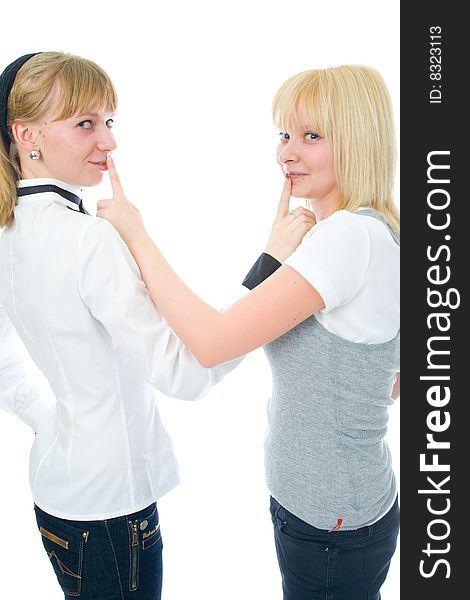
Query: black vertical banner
point(434, 138)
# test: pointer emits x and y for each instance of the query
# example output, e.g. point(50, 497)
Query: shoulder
point(102, 251)
point(340, 223)
point(96, 231)
point(337, 235)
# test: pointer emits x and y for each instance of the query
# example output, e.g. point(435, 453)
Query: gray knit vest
point(325, 454)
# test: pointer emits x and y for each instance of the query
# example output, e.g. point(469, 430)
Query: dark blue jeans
point(342, 565)
point(116, 559)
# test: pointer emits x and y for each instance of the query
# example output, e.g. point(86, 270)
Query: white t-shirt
point(353, 262)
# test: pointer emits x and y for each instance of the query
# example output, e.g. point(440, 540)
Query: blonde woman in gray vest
point(328, 318)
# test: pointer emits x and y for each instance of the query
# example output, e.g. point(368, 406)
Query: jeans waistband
point(132, 516)
point(376, 527)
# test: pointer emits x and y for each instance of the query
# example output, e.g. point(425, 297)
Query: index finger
point(113, 175)
point(283, 206)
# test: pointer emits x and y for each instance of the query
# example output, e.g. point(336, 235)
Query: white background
point(196, 153)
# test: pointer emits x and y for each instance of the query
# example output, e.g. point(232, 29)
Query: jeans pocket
point(150, 528)
point(144, 532)
point(292, 527)
point(286, 529)
point(64, 544)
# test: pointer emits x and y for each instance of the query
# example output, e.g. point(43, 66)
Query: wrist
point(275, 253)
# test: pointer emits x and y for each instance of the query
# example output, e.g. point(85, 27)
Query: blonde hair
point(83, 86)
point(350, 107)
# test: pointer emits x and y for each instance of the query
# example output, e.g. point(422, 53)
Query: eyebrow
point(93, 114)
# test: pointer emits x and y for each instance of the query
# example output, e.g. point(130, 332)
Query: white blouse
point(74, 294)
point(18, 391)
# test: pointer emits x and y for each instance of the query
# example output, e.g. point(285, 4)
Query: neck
point(324, 207)
point(31, 169)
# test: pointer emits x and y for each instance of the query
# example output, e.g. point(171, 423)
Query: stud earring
point(35, 155)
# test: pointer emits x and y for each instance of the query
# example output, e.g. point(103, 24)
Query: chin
point(298, 192)
point(91, 180)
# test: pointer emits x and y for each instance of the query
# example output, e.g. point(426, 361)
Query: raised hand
point(121, 213)
point(289, 227)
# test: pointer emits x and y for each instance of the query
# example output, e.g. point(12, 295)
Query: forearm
point(111, 287)
point(24, 401)
point(192, 319)
point(274, 307)
point(19, 394)
point(281, 302)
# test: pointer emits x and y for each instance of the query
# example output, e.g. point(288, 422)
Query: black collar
point(39, 189)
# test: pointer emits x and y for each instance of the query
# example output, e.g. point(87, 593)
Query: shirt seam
point(124, 425)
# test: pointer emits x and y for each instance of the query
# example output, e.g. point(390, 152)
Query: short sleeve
point(334, 257)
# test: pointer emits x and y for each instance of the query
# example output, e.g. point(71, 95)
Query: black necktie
point(38, 189)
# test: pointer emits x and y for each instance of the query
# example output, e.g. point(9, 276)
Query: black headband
point(7, 79)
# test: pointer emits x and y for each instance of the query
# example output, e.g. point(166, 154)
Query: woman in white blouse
point(72, 291)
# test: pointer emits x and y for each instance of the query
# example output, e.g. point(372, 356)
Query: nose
point(287, 153)
point(106, 141)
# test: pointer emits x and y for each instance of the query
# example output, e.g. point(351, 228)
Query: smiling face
point(305, 156)
point(74, 150)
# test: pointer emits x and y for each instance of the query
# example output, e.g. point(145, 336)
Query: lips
point(101, 165)
point(296, 176)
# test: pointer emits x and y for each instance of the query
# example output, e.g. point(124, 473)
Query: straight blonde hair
point(350, 107)
point(83, 86)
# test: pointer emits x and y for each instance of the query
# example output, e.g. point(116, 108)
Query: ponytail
point(8, 194)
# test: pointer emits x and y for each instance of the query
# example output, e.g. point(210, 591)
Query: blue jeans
point(342, 565)
point(116, 559)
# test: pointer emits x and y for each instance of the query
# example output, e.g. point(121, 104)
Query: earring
point(35, 155)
